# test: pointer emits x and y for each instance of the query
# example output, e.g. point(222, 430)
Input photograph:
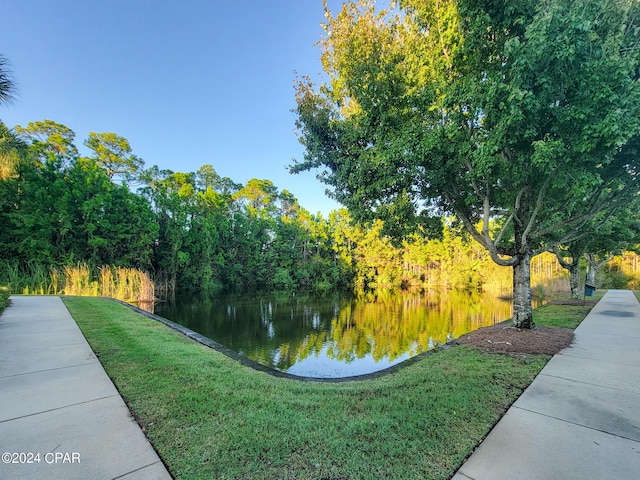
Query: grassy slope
point(209, 417)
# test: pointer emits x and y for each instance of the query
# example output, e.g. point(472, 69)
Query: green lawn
point(567, 316)
point(210, 417)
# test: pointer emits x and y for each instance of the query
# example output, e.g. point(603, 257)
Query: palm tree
point(7, 86)
point(13, 150)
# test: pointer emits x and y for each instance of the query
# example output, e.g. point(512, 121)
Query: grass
point(210, 417)
point(33, 278)
point(566, 316)
point(26, 277)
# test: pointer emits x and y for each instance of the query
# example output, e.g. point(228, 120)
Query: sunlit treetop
point(518, 114)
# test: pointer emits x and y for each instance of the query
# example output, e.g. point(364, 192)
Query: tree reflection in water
point(337, 336)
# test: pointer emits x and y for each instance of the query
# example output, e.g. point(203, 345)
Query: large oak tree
point(514, 115)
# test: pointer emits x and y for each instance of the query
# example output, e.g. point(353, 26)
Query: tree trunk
point(594, 266)
point(592, 270)
point(522, 310)
point(574, 279)
point(574, 269)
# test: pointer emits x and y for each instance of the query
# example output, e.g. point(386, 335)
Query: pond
point(333, 337)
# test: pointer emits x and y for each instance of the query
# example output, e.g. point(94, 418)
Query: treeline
point(197, 231)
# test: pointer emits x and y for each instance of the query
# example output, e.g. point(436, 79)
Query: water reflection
point(337, 336)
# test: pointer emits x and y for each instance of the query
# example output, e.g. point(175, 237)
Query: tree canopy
point(113, 153)
point(518, 116)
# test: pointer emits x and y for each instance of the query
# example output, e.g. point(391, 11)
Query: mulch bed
point(504, 338)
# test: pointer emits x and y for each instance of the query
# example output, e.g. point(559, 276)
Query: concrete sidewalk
point(580, 418)
point(60, 414)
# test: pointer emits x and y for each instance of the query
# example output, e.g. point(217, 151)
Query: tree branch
point(536, 209)
point(484, 239)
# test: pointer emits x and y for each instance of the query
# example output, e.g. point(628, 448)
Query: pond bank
point(336, 335)
point(262, 368)
point(210, 417)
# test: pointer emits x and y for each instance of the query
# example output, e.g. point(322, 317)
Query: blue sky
point(187, 83)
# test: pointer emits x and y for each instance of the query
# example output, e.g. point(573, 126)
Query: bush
point(615, 279)
point(4, 298)
point(282, 281)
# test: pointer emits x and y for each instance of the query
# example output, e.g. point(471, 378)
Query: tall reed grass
point(127, 284)
point(28, 277)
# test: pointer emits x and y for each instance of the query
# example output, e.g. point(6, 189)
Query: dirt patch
point(504, 338)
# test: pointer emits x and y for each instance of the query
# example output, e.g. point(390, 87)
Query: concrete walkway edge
point(579, 419)
point(60, 414)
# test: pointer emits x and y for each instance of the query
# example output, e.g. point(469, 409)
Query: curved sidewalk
point(580, 418)
point(60, 414)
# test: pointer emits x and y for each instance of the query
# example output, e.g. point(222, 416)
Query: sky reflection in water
point(332, 337)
